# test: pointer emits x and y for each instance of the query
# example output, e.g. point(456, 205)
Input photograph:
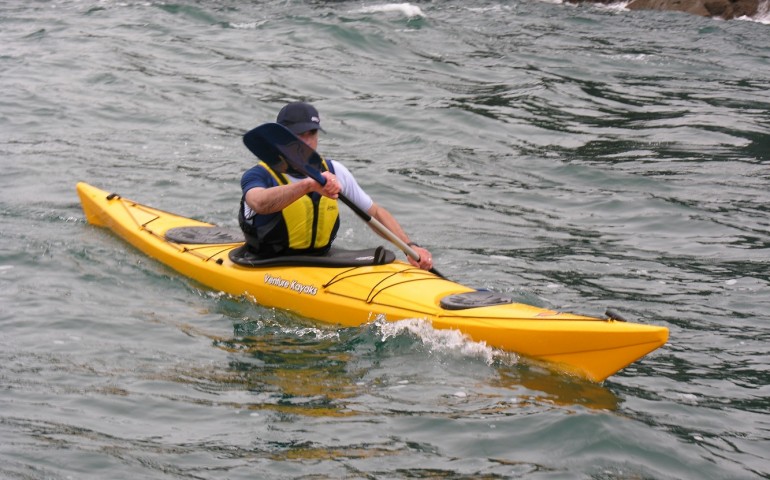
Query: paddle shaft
point(373, 222)
point(384, 231)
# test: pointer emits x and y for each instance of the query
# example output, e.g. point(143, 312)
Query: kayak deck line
point(584, 346)
point(375, 290)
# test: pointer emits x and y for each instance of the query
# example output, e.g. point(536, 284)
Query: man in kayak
point(286, 213)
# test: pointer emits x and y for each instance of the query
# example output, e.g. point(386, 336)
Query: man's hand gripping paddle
point(273, 144)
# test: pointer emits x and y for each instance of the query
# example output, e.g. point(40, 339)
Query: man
point(286, 213)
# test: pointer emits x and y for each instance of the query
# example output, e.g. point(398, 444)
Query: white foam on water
point(763, 14)
point(445, 341)
point(318, 333)
point(407, 9)
point(614, 7)
point(247, 25)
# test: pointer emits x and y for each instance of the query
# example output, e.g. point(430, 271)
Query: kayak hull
point(588, 347)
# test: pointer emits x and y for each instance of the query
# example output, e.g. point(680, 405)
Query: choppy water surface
point(575, 158)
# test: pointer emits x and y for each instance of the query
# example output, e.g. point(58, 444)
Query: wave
point(442, 341)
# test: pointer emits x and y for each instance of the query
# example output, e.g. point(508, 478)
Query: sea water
point(576, 158)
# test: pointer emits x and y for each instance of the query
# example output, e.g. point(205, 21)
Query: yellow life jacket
point(307, 226)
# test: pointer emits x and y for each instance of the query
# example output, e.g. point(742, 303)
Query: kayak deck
point(588, 347)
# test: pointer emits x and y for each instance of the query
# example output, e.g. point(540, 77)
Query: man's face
point(310, 137)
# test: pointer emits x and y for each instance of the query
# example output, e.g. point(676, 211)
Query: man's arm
point(389, 221)
point(274, 199)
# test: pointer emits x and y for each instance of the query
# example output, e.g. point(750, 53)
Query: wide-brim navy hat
point(299, 117)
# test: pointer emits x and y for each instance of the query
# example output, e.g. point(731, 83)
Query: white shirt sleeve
point(350, 187)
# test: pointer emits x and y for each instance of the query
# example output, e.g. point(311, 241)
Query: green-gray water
point(572, 157)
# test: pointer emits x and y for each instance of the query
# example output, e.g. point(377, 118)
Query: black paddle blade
point(273, 144)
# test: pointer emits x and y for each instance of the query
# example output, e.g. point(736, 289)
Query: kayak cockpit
point(336, 257)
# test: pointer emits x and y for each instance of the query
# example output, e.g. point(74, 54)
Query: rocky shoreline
point(726, 9)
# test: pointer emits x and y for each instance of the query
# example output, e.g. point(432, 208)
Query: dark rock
point(696, 7)
point(726, 9)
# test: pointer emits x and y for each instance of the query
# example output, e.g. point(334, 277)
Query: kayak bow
point(351, 289)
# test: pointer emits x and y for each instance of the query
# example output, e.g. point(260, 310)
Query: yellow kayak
point(356, 287)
